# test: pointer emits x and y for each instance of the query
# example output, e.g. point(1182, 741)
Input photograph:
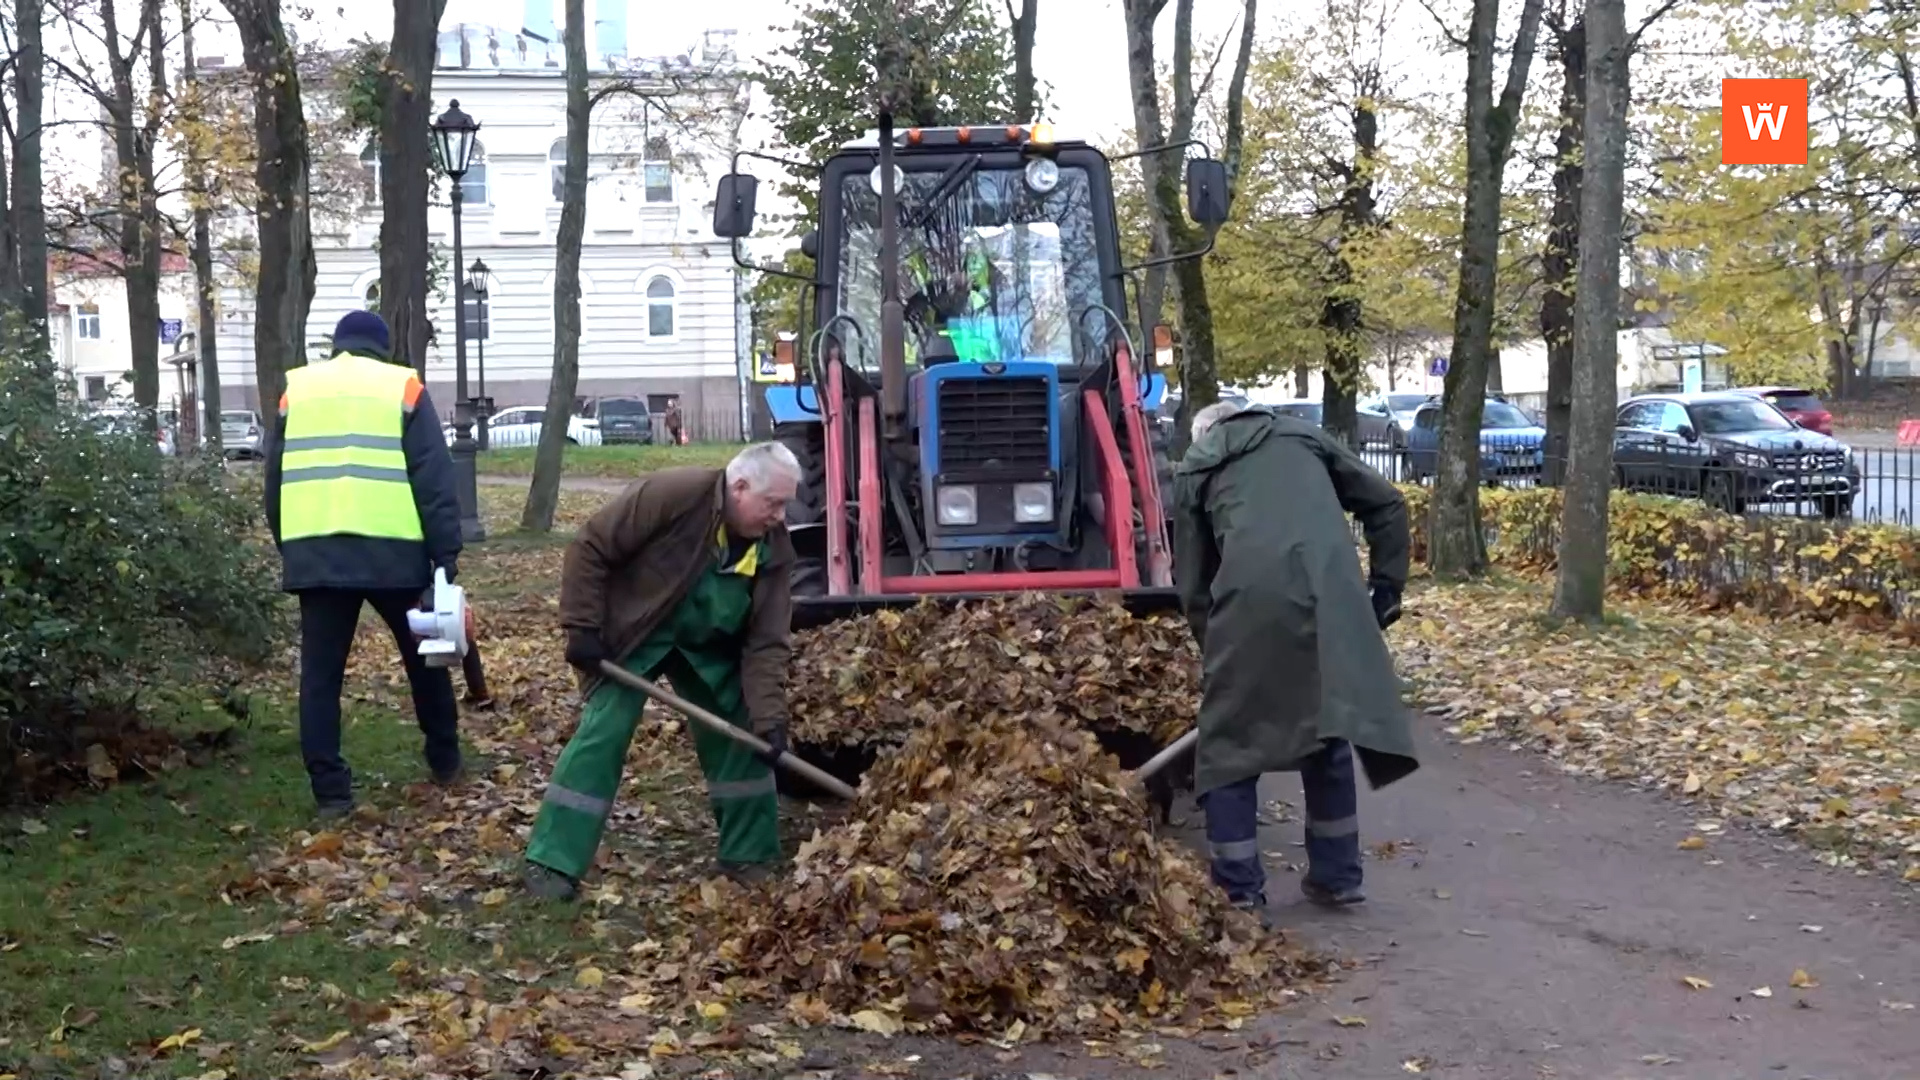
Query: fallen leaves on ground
point(998, 870)
point(1801, 728)
point(878, 678)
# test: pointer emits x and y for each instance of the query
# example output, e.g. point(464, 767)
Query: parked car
point(1385, 419)
point(1512, 445)
point(115, 418)
point(1803, 407)
point(1731, 449)
point(1305, 408)
point(624, 420)
point(1165, 416)
point(520, 426)
point(242, 436)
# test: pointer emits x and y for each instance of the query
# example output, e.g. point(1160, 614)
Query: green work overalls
point(697, 650)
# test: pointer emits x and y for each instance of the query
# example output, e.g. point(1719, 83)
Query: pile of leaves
point(999, 875)
point(879, 678)
point(1681, 549)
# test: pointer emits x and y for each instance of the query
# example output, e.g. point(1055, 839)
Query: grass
point(116, 919)
point(616, 462)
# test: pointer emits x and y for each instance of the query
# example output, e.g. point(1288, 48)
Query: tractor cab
point(976, 405)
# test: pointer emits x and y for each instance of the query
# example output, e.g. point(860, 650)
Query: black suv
point(624, 420)
point(1731, 449)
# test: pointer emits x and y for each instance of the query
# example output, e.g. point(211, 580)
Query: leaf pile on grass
point(998, 873)
point(878, 678)
point(1799, 728)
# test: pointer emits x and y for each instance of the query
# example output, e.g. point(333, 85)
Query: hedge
point(1682, 549)
point(120, 570)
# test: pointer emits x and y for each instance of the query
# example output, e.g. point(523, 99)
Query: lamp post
point(482, 318)
point(453, 135)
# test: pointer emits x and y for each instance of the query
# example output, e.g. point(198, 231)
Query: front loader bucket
point(812, 612)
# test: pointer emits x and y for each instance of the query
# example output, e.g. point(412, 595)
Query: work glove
point(585, 650)
point(775, 735)
point(451, 564)
point(1386, 604)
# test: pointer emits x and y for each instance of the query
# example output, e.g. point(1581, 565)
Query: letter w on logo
point(1772, 121)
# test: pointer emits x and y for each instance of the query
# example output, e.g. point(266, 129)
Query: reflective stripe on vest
point(343, 471)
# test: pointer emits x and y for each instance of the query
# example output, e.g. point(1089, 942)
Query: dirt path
point(1568, 923)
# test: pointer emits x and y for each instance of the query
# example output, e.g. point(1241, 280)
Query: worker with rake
point(684, 576)
point(1295, 670)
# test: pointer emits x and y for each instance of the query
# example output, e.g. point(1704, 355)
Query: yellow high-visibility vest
point(343, 470)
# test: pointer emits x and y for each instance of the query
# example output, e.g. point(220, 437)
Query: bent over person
point(360, 498)
point(683, 576)
point(1295, 670)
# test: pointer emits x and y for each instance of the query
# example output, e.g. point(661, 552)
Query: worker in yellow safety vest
point(361, 500)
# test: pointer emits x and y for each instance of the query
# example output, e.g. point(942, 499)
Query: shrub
point(119, 568)
point(1681, 548)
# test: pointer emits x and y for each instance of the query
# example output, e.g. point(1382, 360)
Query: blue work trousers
point(1333, 827)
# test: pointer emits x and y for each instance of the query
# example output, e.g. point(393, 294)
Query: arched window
point(371, 298)
point(473, 186)
point(657, 168)
point(370, 161)
point(557, 165)
point(661, 302)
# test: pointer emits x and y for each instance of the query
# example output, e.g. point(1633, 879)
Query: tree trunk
point(206, 336)
point(1581, 581)
point(143, 272)
point(406, 178)
point(1025, 92)
point(1458, 548)
point(28, 218)
point(543, 496)
point(1563, 244)
point(1301, 373)
point(1341, 317)
point(134, 190)
point(284, 292)
point(1143, 77)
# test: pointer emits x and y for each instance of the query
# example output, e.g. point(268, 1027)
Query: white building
point(661, 308)
point(91, 334)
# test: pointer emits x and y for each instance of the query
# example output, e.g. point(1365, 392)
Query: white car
point(520, 426)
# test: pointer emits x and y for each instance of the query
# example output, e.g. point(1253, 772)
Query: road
point(1526, 925)
point(1538, 926)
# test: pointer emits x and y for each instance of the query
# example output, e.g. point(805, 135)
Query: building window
point(371, 298)
point(87, 322)
point(657, 167)
point(661, 302)
point(370, 161)
point(473, 185)
point(96, 388)
point(557, 165)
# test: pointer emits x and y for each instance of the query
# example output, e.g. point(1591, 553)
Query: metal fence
point(1879, 485)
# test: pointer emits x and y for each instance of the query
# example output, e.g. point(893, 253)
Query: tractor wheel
point(809, 505)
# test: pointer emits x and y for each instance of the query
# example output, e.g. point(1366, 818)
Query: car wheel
point(571, 441)
point(1836, 507)
point(1619, 478)
point(1717, 491)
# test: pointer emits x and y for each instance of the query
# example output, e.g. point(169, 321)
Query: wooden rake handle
point(713, 723)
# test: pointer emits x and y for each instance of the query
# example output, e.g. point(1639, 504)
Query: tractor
point(972, 409)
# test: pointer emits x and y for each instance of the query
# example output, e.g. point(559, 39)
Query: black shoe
point(1257, 906)
point(1317, 893)
point(549, 884)
point(478, 704)
point(334, 809)
point(748, 873)
point(451, 777)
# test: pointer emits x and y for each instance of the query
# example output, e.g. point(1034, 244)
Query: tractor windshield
point(998, 269)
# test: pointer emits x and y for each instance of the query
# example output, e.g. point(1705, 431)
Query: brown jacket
point(633, 562)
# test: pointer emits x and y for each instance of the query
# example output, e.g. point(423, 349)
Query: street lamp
point(481, 318)
point(453, 138)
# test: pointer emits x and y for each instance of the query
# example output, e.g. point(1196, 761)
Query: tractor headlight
point(1032, 503)
point(1043, 175)
point(958, 505)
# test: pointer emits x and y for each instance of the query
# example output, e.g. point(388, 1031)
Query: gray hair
point(760, 463)
point(1204, 420)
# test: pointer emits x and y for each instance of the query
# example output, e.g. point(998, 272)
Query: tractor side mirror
point(810, 244)
point(733, 206)
point(1207, 191)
